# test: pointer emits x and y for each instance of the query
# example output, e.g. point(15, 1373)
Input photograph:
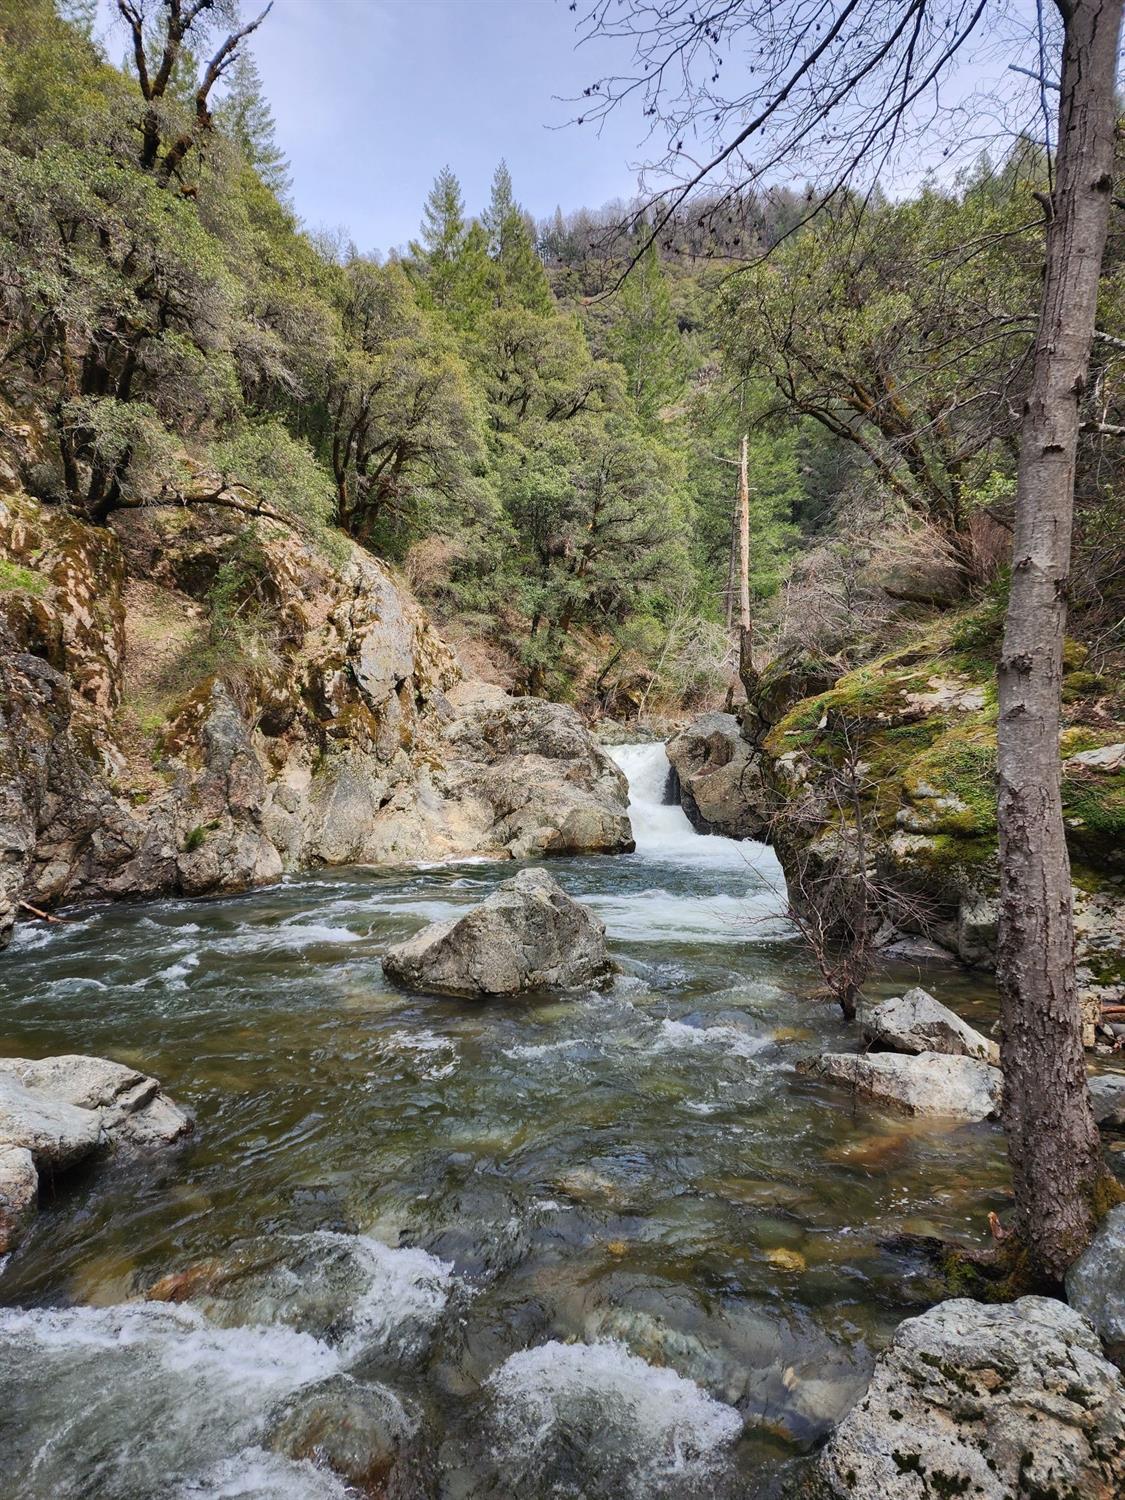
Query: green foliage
point(244, 115)
point(13, 576)
point(644, 339)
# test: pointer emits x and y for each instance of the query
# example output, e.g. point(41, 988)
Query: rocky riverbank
point(910, 741)
point(188, 705)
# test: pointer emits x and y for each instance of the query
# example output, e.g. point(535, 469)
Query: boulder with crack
point(916, 1022)
point(720, 778)
point(989, 1401)
point(528, 935)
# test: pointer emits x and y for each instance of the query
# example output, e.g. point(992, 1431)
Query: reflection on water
point(501, 1218)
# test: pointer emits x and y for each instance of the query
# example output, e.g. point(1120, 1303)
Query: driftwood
point(35, 912)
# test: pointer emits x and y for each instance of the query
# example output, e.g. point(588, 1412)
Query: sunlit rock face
point(141, 755)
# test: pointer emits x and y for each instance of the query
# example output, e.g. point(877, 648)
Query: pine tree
point(443, 238)
point(645, 338)
point(246, 116)
point(519, 279)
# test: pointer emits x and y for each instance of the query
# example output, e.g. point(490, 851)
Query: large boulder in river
point(542, 781)
point(719, 778)
point(985, 1401)
point(528, 935)
point(1107, 1093)
point(57, 1111)
point(932, 1083)
point(916, 1022)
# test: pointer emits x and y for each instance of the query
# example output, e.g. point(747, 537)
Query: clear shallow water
point(590, 1246)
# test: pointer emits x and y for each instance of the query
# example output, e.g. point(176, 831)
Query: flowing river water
point(599, 1246)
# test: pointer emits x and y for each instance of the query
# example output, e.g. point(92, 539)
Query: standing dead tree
point(736, 91)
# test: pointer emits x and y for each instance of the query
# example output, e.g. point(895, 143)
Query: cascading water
point(603, 1245)
point(660, 826)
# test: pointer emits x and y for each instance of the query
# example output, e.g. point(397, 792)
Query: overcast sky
point(373, 97)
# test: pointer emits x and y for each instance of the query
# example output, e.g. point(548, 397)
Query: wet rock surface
point(990, 1401)
point(528, 935)
point(58, 1111)
point(719, 778)
point(930, 1083)
point(916, 1022)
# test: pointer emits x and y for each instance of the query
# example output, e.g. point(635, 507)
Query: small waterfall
point(661, 828)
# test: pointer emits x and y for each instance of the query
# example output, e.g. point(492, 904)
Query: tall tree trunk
point(745, 627)
point(1052, 1138)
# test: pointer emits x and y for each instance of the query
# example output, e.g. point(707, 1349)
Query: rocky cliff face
point(190, 705)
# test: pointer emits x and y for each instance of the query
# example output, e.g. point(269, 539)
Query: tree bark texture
point(1052, 1139)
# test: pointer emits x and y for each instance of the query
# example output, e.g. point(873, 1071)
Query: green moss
point(1078, 685)
point(195, 839)
point(13, 577)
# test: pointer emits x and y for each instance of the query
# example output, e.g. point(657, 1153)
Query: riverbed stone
point(528, 935)
point(356, 1428)
point(1107, 1091)
point(1095, 1283)
point(916, 1022)
point(989, 1401)
point(19, 1190)
point(930, 1083)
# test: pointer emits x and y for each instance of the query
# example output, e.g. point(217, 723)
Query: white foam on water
point(670, 1424)
point(675, 1036)
point(179, 1337)
point(404, 1292)
point(662, 831)
point(254, 1474)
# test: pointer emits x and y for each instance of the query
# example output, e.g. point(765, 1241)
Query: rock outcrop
point(916, 1022)
point(1095, 1283)
point(931, 1083)
point(143, 752)
point(528, 935)
point(57, 1111)
point(988, 1401)
point(719, 778)
point(918, 730)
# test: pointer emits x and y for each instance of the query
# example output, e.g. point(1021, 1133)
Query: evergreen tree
point(646, 340)
point(443, 238)
point(519, 279)
point(246, 116)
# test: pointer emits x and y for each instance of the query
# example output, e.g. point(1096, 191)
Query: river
point(593, 1246)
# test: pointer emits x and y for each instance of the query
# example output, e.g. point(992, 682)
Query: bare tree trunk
point(1052, 1139)
point(745, 628)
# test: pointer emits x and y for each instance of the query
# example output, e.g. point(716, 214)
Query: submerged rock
point(916, 1022)
point(994, 1402)
point(1095, 1283)
point(57, 1111)
point(528, 935)
point(356, 1428)
point(720, 781)
point(931, 1083)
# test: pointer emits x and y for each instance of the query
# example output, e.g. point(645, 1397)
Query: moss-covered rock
point(910, 741)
